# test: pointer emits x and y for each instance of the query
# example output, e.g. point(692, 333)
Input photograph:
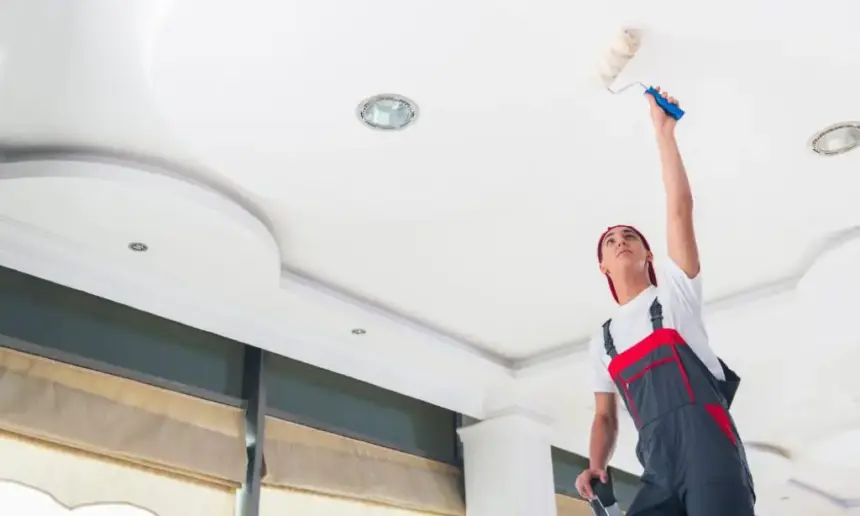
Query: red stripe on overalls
point(639, 351)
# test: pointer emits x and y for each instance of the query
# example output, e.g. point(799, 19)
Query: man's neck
point(628, 290)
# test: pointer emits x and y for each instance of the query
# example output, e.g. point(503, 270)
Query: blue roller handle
point(670, 109)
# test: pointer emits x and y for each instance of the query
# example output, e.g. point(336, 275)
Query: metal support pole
point(254, 398)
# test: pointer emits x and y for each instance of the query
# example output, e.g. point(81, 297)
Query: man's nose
point(622, 243)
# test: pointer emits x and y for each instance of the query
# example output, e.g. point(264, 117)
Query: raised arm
point(679, 199)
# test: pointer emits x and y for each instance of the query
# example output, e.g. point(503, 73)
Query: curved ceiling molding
point(826, 245)
point(844, 503)
point(207, 188)
point(107, 202)
point(832, 268)
point(84, 94)
point(828, 468)
point(759, 292)
point(294, 277)
point(772, 449)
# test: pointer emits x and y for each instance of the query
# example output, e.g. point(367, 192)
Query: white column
point(508, 466)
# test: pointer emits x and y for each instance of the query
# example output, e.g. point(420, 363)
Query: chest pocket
point(650, 375)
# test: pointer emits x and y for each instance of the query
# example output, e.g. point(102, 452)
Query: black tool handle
point(604, 491)
point(596, 508)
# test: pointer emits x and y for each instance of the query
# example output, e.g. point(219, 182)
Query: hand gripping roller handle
point(670, 109)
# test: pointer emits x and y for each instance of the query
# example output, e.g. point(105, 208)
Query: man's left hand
point(664, 124)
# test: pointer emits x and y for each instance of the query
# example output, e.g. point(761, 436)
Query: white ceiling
point(480, 219)
point(224, 136)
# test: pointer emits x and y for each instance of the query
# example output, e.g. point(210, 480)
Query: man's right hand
point(583, 482)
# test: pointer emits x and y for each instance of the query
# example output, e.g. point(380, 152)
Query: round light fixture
point(836, 139)
point(388, 112)
point(138, 247)
point(359, 331)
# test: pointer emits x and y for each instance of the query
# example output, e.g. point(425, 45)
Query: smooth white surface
point(516, 145)
point(86, 84)
point(770, 471)
point(508, 467)
point(465, 243)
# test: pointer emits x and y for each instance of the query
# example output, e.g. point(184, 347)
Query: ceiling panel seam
point(844, 503)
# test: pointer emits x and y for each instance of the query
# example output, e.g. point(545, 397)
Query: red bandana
point(651, 275)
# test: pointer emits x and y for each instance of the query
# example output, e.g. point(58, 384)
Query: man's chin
point(628, 264)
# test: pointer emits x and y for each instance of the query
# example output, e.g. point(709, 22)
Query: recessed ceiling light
point(138, 247)
point(836, 139)
point(359, 331)
point(388, 112)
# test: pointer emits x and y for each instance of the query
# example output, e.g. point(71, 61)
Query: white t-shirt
point(681, 298)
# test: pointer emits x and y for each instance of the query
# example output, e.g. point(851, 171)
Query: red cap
point(651, 275)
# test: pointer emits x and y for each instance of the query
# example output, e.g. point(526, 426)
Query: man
point(654, 355)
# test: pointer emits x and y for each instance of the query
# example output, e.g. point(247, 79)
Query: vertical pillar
point(254, 396)
point(458, 444)
point(508, 466)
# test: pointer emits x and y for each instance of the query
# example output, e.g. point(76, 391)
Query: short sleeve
point(601, 381)
point(687, 292)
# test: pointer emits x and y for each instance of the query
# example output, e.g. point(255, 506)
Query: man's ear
point(604, 270)
point(649, 257)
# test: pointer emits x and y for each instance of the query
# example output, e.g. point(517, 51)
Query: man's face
point(623, 249)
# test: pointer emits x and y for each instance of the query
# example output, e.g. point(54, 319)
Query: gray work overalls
point(693, 459)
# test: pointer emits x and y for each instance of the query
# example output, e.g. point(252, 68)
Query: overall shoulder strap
point(656, 311)
point(608, 343)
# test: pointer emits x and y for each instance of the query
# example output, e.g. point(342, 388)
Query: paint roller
point(622, 51)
